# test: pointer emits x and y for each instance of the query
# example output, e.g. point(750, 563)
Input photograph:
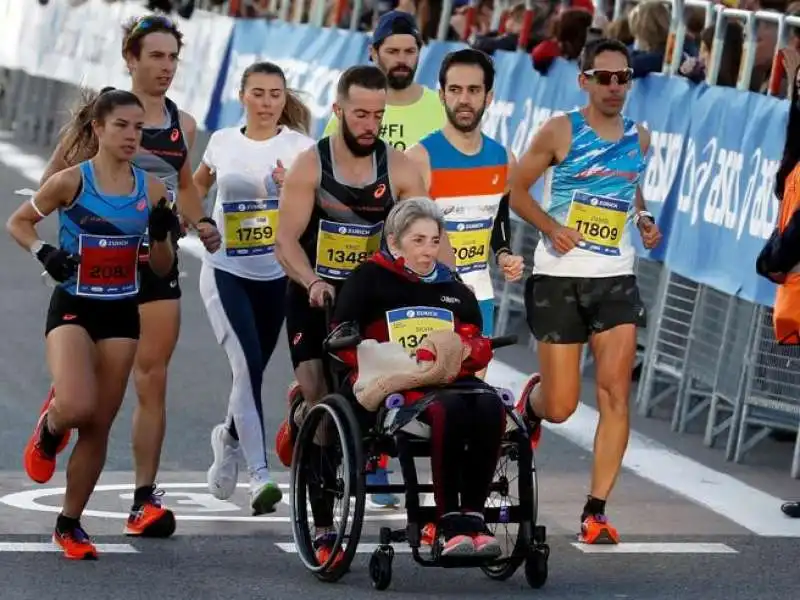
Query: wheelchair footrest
point(460, 562)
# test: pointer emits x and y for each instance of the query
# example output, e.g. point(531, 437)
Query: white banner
point(83, 46)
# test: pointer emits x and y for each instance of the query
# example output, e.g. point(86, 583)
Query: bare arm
point(644, 142)
point(161, 252)
point(541, 154)
point(294, 213)
point(57, 192)
point(204, 178)
point(190, 205)
point(408, 183)
point(418, 156)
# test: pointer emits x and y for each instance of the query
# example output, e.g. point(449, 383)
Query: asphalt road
point(220, 551)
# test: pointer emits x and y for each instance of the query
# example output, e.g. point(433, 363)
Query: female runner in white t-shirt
point(242, 285)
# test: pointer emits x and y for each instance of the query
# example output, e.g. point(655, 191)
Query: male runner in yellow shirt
point(412, 110)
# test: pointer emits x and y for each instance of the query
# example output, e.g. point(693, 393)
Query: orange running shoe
point(428, 535)
point(284, 442)
point(596, 529)
point(323, 545)
point(39, 460)
point(150, 518)
point(523, 409)
point(75, 544)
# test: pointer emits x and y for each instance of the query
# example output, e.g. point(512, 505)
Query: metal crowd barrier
point(710, 360)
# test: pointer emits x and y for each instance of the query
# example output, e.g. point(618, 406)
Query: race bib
point(409, 326)
point(341, 247)
point(108, 266)
point(601, 221)
point(470, 241)
point(250, 227)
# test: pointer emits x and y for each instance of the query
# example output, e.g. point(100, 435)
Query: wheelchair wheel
point(517, 472)
point(327, 469)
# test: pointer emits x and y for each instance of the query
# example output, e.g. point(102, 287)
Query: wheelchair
point(398, 434)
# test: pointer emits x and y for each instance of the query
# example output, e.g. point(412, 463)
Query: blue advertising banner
point(712, 161)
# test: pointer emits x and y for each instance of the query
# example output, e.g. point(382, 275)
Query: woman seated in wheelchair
point(400, 296)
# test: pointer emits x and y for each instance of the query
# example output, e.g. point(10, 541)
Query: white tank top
point(246, 206)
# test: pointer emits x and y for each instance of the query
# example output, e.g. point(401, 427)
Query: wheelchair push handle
point(503, 341)
point(338, 342)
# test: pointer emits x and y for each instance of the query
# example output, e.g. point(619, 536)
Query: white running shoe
point(264, 492)
point(224, 472)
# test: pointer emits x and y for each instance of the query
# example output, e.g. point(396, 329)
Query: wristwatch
point(642, 214)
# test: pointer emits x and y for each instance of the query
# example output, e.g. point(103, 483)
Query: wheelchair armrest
point(345, 336)
point(503, 341)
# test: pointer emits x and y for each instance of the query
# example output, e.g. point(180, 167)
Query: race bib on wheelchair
point(341, 247)
point(250, 227)
point(470, 241)
point(600, 220)
point(409, 326)
point(108, 267)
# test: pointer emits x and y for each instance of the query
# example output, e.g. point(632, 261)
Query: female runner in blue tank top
point(151, 46)
point(243, 286)
point(105, 206)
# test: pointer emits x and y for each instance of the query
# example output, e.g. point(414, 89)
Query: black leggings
point(466, 433)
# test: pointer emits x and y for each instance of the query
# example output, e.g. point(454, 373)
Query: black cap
point(395, 22)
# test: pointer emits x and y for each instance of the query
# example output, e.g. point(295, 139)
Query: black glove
point(59, 264)
point(162, 221)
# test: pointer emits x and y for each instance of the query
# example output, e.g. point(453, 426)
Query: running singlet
point(404, 126)
point(161, 154)
point(246, 206)
point(105, 231)
point(346, 225)
point(468, 189)
point(593, 190)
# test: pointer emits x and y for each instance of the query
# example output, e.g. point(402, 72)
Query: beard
point(399, 78)
point(356, 146)
point(460, 125)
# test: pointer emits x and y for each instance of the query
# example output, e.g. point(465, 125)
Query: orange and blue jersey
point(469, 188)
point(105, 230)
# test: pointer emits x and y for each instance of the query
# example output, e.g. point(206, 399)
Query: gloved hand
point(59, 264)
point(162, 221)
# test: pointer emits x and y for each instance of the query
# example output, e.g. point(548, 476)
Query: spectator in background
point(509, 39)
point(789, 57)
point(568, 37)
point(620, 30)
point(696, 69)
point(649, 23)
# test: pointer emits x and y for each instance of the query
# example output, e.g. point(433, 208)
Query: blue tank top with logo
point(595, 165)
point(593, 189)
point(106, 231)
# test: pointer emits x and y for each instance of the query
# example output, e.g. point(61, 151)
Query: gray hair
point(406, 212)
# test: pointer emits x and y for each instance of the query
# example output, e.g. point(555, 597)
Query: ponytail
point(295, 115)
point(76, 139)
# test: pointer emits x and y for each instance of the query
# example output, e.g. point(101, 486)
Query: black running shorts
point(102, 319)
point(153, 288)
point(569, 310)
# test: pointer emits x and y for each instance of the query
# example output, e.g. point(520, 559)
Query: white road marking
point(656, 548)
point(291, 548)
point(45, 547)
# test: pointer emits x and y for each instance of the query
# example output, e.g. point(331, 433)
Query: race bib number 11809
point(600, 220)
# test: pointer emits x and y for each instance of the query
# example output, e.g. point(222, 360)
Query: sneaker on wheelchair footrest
point(323, 545)
point(596, 529)
point(381, 477)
